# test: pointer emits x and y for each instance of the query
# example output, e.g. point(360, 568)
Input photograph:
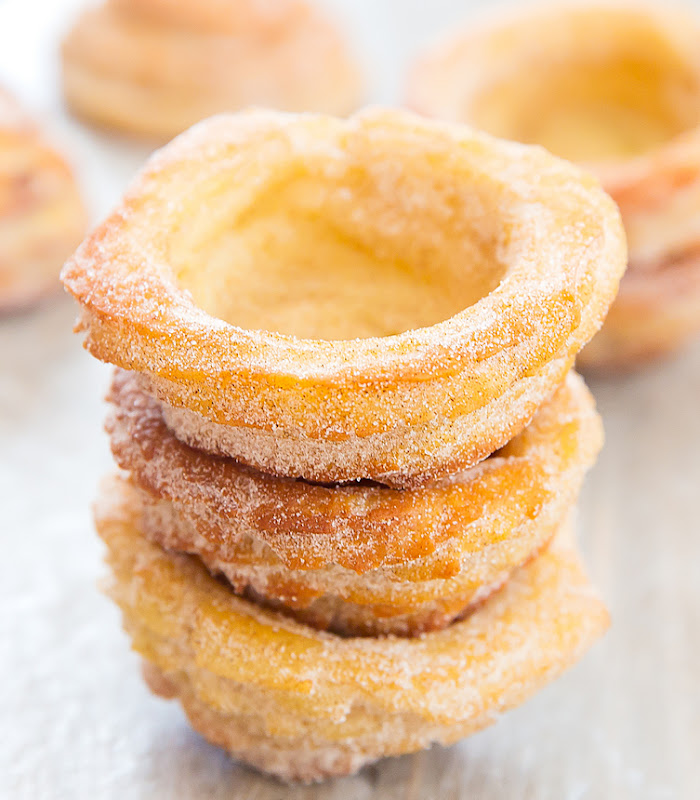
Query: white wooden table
point(75, 719)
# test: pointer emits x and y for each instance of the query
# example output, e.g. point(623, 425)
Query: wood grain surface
point(75, 718)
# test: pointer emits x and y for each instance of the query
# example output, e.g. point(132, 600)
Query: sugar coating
point(213, 285)
point(437, 449)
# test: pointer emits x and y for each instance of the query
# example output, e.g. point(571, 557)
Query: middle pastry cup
point(360, 559)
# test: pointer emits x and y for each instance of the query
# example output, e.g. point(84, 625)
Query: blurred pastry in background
point(42, 217)
point(616, 88)
point(155, 67)
point(305, 705)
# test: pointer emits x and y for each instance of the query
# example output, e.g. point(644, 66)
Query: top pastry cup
point(616, 88)
point(383, 297)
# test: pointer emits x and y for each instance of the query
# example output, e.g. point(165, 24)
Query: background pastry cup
point(154, 68)
point(42, 217)
point(615, 87)
point(359, 559)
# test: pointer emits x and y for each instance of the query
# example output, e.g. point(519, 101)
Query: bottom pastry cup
point(359, 560)
point(303, 704)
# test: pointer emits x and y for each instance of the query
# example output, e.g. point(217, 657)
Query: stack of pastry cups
point(337, 550)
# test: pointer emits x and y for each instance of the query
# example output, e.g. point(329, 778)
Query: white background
point(75, 719)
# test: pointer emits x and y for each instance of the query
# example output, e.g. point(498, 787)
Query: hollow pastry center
point(587, 111)
point(339, 260)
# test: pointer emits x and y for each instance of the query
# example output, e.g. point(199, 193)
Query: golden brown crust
point(304, 704)
point(154, 68)
point(361, 559)
point(537, 76)
point(42, 218)
point(401, 408)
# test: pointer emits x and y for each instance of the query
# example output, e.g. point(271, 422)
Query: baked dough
point(303, 704)
point(42, 218)
point(155, 67)
point(360, 559)
point(616, 88)
point(262, 275)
